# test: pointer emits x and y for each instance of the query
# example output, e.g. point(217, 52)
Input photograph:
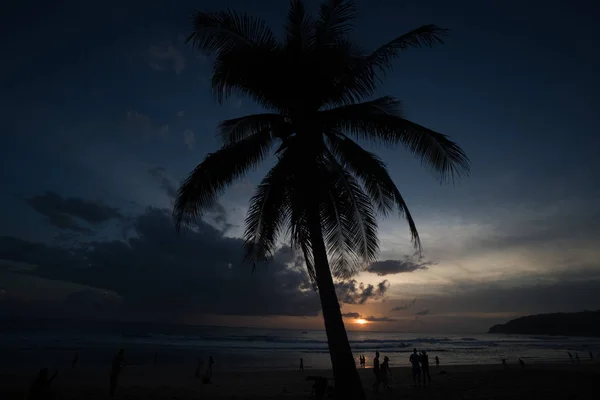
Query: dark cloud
point(354, 315)
point(405, 306)
point(64, 212)
point(389, 267)
point(379, 319)
point(352, 292)
point(422, 312)
point(160, 175)
point(155, 271)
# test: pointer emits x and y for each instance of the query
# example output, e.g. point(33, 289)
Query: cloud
point(141, 125)
point(405, 307)
point(160, 272)
point(161, 57)
point(189, 139)
point(65, 213)
point(380, 319)
point(388, 267)
point(422, 312)
point(156, 272)
point(166, 183)
point(352, 292)
point(354, 315)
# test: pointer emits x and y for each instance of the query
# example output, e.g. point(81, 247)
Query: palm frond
point(299, 28)
point(336, 19)
point(424, 36)
point(381, 120)
point(354, 208)
point(372, 171)
point(209, 179)
point(233, 130)
point(363, 73)
point(268, 215)
point(225, 30)
point(254, 73)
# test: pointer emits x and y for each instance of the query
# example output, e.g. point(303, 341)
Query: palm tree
point(325, 191)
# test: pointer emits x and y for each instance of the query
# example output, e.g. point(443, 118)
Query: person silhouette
point(41, 385)
point(591, 356)
point(570, 356)
point(75, 359)
point(504, 363)
point(301, 365)
point(577, 357)
point(376, 369)
point(115, 371)
point(425, 367)
point(416, 368)
point(522, 363)
point(384, 372)
point(437, 362)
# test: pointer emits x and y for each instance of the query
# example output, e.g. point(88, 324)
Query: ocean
point(53, 344)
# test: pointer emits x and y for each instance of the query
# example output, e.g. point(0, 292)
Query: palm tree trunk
point(347, 380)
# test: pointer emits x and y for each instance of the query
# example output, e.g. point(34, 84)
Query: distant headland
point(585, 323)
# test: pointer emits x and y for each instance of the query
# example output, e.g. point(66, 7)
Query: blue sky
point(95, 98)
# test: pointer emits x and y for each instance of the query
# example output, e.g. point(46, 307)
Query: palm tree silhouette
point(324, 191)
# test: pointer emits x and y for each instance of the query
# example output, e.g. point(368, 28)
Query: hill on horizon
point(584, 323)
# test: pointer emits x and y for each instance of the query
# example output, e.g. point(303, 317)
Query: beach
point(548, 381)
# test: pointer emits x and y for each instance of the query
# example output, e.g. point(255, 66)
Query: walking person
point(425, 367)
point(416, 368)
point(385, 371)
point(115, 371)
point(437, 362)
point(301, 369)
point(376, 370)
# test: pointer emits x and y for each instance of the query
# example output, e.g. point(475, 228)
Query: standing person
point(115, 371)
point(376, 371)
point(301, 369)
point(437, 362)
point(591, 356)
point(384, 370)
point(75, 359)
point(211, 362)
point(416, 368)
point(40, 389)
point(570, 356)
point(425, 367)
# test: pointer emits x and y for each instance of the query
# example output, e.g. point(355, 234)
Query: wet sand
point(544, 381)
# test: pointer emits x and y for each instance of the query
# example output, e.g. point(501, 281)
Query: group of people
point(420, 367)
point(382, 371)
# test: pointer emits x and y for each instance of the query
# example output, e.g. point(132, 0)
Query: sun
point(361, 321)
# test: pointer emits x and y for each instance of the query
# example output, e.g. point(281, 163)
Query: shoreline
point(555, 380)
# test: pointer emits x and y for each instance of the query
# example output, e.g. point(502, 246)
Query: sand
point(548, 381)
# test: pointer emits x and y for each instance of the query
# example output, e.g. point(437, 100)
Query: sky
point(105, 109)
